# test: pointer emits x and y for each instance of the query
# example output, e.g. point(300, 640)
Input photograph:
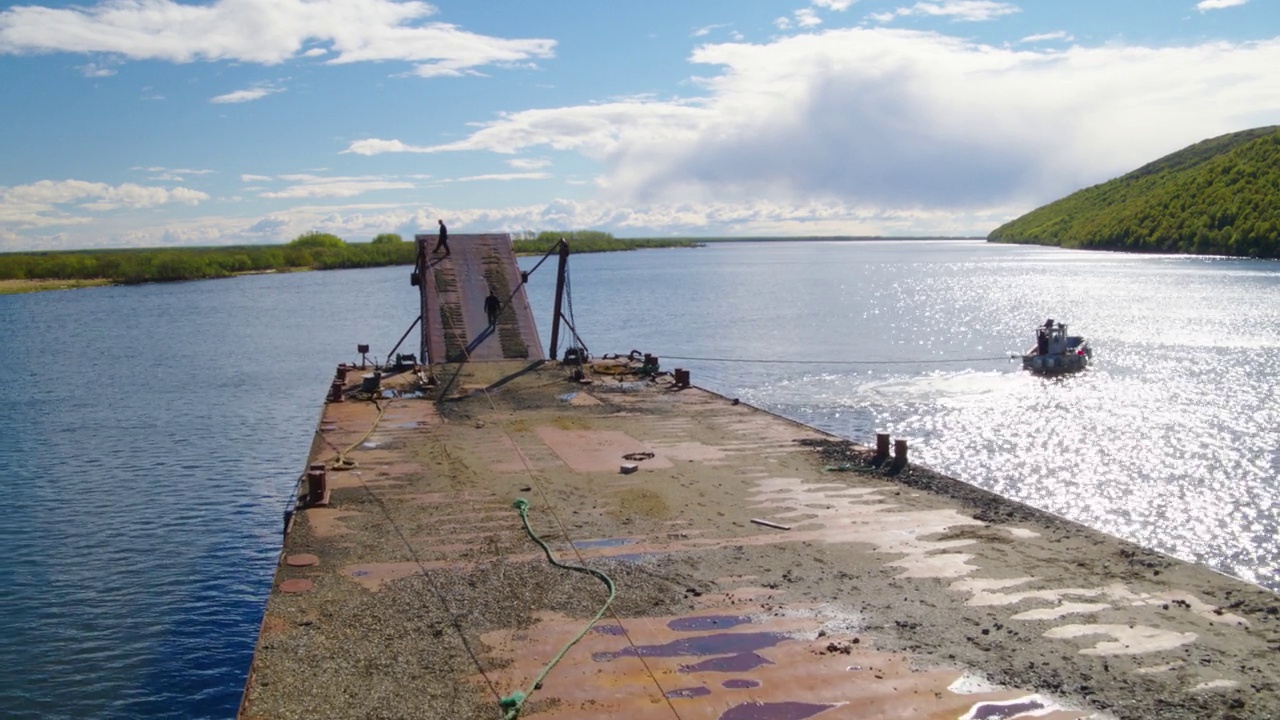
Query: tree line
point(1218, 197)
point(309, 251)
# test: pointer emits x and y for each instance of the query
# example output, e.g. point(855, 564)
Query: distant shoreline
point(18, 287)
point(820, 238)
point(30, 285)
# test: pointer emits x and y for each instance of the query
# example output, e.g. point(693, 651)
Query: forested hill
point(1217, 197)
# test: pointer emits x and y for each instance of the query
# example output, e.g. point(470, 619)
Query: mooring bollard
point(681, 377)
point(335, 391)
point(317, 484)
point(341, 373)
point(882, 445)
point(899, 453)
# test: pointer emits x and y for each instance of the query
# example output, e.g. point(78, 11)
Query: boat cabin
point(1051, 338)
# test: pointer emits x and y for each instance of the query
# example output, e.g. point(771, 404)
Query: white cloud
point(1204, 5)
point(959, 10)
point(529, 163)
point(181, 171)
point(806, 17)
point(706, 30)
point(318, 186)
point(164, 174)
point(506, 176)
point(597, 131)
point(53, 202)
point(375, 146)
point(264, 32)
point(1059, 35)
point(900, 120)
point(249, 178)
point(243, 96)
point(837, 5)
point(782, 23)
point(95, 70)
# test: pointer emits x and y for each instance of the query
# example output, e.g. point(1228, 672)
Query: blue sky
point(146, 123)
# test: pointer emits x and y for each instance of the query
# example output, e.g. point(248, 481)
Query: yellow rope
point(341, 462)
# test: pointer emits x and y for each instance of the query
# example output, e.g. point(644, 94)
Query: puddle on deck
point(755, 666)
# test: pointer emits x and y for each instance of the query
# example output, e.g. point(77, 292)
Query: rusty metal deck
point(415, 593)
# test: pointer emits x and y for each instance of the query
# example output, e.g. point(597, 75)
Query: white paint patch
point(983, 585)
point(1061, 611)
point(1201, 608)
point(1023, 533)
point(1160, 668)
point(834, 513)
point(836, 620)
point(942, 565)
point(1215, 685)
point(969, 684)
point(986, 598)
point(1128, 640)
point(1047, 706)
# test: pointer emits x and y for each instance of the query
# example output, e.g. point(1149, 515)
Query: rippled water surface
point(150, 435)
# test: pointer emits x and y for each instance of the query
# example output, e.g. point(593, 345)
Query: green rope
point(513, 703)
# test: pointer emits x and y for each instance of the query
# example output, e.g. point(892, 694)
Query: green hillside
point(1218, 197)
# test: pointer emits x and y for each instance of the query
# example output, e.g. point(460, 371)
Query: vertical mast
point(561, 272)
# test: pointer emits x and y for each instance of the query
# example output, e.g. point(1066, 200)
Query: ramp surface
point(454, 288)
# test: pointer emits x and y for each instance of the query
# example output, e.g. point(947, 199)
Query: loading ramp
point(453, 289)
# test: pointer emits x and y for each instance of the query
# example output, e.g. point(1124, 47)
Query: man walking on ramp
point(492, 306)
point(443, 242)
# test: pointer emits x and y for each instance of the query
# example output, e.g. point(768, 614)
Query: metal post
point(560, 276)
point(421, 268)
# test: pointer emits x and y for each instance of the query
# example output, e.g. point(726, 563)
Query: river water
point(151, 436)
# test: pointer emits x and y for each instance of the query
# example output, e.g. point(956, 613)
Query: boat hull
point(1055, 364)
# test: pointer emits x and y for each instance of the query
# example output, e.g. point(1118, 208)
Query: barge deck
point(764, 571)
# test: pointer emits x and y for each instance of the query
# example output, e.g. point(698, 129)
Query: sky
point(153, 123)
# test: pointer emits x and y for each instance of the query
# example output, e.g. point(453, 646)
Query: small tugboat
point(1056, 352)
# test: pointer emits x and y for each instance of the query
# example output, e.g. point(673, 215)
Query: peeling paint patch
point(603, 543)
point(707, 622)
point(774, 711)
point(715, 644)
point(742, 662)
point(691, 692)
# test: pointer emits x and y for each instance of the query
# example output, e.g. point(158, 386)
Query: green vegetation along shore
point(35, 271)
point(1217, 197)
